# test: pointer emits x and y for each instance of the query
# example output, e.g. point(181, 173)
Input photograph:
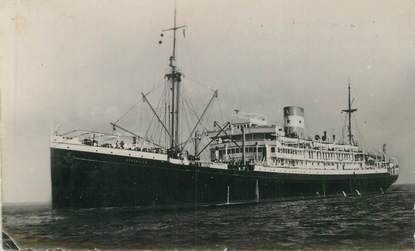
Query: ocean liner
point(249, 160)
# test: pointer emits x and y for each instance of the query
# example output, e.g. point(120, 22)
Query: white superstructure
point(267, 148)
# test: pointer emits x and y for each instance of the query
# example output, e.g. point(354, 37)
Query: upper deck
point(268, 145)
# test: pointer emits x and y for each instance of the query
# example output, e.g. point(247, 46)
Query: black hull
point(87, 180)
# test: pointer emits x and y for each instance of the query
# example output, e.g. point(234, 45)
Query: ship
point(248, 160)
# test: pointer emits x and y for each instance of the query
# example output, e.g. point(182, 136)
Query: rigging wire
point(182, 117)
point(152, 119)
point(187, 102)
point(203, 120)
point(188, 122)
point(156, 131)
point(155, 87)
point(221, 109)
point(189, 118)
point(160, 135)
point(362, 139)
point(129, 110)
point(190, 128)
point(162, 106)
point(163, 134)
point(199, 83)
point(191, 107)
point(344, 128)
point(149, 126)
point(167, 114)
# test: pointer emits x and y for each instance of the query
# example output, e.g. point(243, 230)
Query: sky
point(81, 64)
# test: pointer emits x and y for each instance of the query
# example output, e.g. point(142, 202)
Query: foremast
point(175, 77)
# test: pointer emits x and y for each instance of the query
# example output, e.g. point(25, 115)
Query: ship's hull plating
point(86, 180)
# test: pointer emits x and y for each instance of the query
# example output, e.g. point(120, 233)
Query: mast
point(176, 80)
point(349, 112)
point(350, 116)
point(174, 76)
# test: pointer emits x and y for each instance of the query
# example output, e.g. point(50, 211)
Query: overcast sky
point(82, 64)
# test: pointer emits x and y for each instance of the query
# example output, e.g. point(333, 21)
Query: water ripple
point(368, 222)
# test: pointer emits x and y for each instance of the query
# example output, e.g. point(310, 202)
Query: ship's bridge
point(248, 119)
point(246, 130)
point(251, 125)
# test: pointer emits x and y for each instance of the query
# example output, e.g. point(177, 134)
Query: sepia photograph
point(207, 125)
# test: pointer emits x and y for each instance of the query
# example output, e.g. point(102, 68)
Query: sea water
point(366, 222)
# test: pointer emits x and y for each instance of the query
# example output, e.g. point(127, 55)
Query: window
point(273, 149)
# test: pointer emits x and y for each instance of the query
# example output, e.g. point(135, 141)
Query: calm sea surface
point(379, 222)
